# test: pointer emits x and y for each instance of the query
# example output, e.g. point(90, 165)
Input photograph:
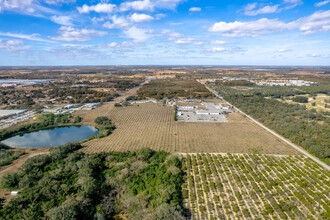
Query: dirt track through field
point(18, 163)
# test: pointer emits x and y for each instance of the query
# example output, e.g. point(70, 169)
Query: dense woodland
point(79, 95)
point(8, 155)
point(306, 128)
point(173, 88)
point(68, 184)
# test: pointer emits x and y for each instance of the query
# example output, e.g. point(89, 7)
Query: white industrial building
point(10, 113)
point(144, 101)
point(186, 108)
point(68, 106)
point(208, 112)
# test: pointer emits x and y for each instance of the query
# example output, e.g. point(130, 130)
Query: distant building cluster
point(280, 82)
point(202, 111)
point(20, 82)
point(144, 101)
point(271, 82)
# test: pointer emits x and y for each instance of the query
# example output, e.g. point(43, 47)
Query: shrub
point(102, 120)
point(10, 180)
point(66, 211)
point(300, 99)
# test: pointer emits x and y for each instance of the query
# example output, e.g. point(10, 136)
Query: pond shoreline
point(51, 136)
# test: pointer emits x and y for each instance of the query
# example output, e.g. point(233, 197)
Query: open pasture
point(252, 186)
point(153, 126)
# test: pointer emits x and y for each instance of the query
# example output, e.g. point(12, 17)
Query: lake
point(51, 137)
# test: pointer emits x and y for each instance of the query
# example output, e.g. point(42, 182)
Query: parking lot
point(5, 123)
point(191, 116)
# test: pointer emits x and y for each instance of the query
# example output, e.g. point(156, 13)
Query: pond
point(51, 137)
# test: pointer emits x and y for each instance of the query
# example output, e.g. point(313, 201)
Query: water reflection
point(52, 137)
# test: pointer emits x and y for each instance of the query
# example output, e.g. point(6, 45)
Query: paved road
point(273, 132)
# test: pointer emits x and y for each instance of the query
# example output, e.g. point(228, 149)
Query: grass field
point(320, 101)
point(251, 186)
point(153, 126)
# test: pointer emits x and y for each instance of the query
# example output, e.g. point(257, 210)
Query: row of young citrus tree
point(251, 186)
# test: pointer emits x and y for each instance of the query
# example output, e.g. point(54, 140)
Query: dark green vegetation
point(105, 127)
point(7, 155)
point(300, 99)
point(173, 88)
point(67, 184)
point(306, 128)
point(79, 95)
point(47, 121)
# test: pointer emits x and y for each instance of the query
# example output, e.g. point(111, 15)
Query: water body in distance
point(51, 137)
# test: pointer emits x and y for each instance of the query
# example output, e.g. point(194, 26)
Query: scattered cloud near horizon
point(169, 31)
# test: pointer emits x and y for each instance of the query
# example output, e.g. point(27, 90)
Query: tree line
point(306, 128)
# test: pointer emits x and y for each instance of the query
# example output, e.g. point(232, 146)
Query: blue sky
point(166, 32)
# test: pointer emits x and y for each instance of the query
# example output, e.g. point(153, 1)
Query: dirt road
point(19, 162)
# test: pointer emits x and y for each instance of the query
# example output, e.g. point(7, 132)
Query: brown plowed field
point(153, 126)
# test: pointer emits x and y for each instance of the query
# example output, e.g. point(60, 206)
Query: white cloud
point(144, 5)
point(217, 49)
point(137, 34)
point(120, 44)
point(315, 55)
point(248, 29)
point(33, 37)
point(112, 44)
point(12, 45)
point(59, 2)
point(282, 50)
point(293, 3)
point(30, 7)
point(192, 41)
point(169, 4)
point(172, 34)
point(251, 9)
point(140, 17)
point(23, 5)
point(160, 16)
point(317, 22)
point(195, 9)
point(149, 5)
point(320, 4)
point(62, 20)
point(99, 8)
point(218, 42)
point(117, 22)
point(72, 34)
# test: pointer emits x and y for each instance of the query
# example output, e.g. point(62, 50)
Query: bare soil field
point(153, 126)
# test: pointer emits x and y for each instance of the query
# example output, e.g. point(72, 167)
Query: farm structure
point(203, 112)
point(254, 186)
point(152, 125)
